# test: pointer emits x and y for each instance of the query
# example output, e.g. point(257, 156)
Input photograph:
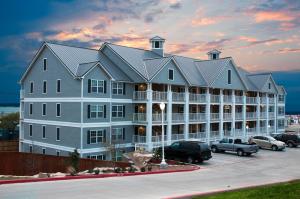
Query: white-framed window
point(229, 76)
point(58, 89)
point(118, 155)
point(97, 157)
point(58, 110)
point(31, 87)
point(57, 153)
point(171, 74)
point(57, 134)
point(44, 131)
point(30, 148)
point(96, 111)
point(44, 109)
point(44, 151)
point(97, 86)
point(45, 64)
point(30, 109)
point(96, 136)
point(269, 85)
point(30, 130)
point(156, 44)
point(118, 134)
point(118, 111)
point(44, 87)
point(118, 88)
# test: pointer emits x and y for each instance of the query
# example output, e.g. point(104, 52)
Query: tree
point(74, 158)
point(9, 122)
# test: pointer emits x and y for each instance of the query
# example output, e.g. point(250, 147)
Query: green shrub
point(132, 170)
point(149, 168)
point(118, 170)
point(97, 171)
point(143, 169)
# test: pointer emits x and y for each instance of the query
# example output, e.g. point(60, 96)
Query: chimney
point(157, 45)
point(214, 54)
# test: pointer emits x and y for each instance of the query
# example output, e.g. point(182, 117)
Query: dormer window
point(214, 56)
point(229, 76)
point(156, 44)
point(171, 74)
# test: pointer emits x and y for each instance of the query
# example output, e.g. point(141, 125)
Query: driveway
point(223, 172)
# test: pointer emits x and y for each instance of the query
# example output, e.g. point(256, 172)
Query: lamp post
point(247, 127)
point(163, 163)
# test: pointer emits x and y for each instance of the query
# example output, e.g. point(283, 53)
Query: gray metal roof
point(259, 80)
point(83, 68)
point(157, 38)
point(214, 51)
point(154, 65)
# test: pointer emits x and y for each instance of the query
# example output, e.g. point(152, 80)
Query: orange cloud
point(272, 16)
point(204, 21)
point(248, 39)
point(134, 40)
point(289, 50)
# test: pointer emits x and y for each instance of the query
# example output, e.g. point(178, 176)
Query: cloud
point(201, 20)
point(289, 50)
point(273, 16)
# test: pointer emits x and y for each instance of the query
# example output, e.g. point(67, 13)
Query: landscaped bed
point(289, 190)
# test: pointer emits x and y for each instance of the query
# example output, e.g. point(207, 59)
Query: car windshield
point(271, 138)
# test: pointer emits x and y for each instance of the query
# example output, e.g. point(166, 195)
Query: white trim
point(77, 99)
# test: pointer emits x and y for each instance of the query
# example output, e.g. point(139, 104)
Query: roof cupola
point(214, 54)
point(157, 45)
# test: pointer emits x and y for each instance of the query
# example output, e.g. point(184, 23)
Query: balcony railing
point(271, 114)
point(271, 100)
point(158, 138)
point(176, 137)
point(139, 95)
point(281, 114)
point(156, 117)
point(251, 131)
point(159, 96)
point(214, 116)
point(262, 130)
point(251, 100)
point(227, 98)
point(201, 98)
point(195, 117)
point(281, 127)
point(139, 139)
point(251, 115)
point(263, 100)
point(263, 115)
point(177, 117)
point(215, 98)
point(228, 133)
point(239, 115)
point(238, 133)
point(139, 117)
point(239, 99)
point(214, 135)
point(178, 97)
point(271, 129)
point(227, 116)
point(198, 135)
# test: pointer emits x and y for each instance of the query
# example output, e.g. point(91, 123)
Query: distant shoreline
point(9, 104)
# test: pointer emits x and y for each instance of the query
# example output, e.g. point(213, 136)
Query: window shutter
point(104, 135)
point(123, 110)
point(89, 85)
point(123, 134)
point(88, 137)
point(124, 89)
point(104, 110)
point(89, 111)
point(104, 86)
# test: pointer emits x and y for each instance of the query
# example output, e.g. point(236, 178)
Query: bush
point(149, 168)
point(97, 172)
point(74, 159)
point(90, 171)
point(132, 170)
point(118, 170)
point(124, 170)
point(143, 169)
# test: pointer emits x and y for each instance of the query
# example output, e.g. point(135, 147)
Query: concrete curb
point(95, 176)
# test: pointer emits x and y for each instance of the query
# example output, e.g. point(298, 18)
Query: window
point(44, 87)
point(96, 111)
point(57, 134)
point(31, 87)
point(171, 74)
point(156, 44)
point(45, 64)
point(229, 76)
point(118, 111)
point(30, 148)
point(58, 86)
point(57, 153)
point(58, 110)
point(269, 85)
point(97, 157)
point(44, 132)
point(118, 134)
point(30, 109)
point(96, 136)
point(118, 88)
point(30, 130)
point(44, 151)
point(44, 109)
point(214, 56)
point(97, 86)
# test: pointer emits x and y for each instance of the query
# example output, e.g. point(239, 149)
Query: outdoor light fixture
point(163, 163)
point(247, 127)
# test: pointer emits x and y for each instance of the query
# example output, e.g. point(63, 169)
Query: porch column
point(233, 112)
point(244, 113)
point(267, 111)
point(186, 114)
point(221, 115)
point(258, 114)
point(207, 111)
point(149, 118)
point(275, 112)
point(169, 116)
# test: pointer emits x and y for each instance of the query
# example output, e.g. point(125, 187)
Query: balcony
point(263, 130)
point(281, 114)
point(251, 115)
point(199, 136)
point(139, 117)
point(176, 137)
point(227, 116)
point(139, 139)
point(197, 117)
point(251, 100)
point(178, 97)
point(140, 95)
point(158, 138)
point(200, 98)
point(251, 131)
point(227, 98)
point(178, 117)
point(271, 100)
point(263, 100)
point(214, 135)
point(159, 96)
point(215, 98)
point(271, 129)
point(156, 118)
point(214, 116)
point(239, 115)
point(238, 133)
point(271, 115)
point(263, 115)
point(239, 99)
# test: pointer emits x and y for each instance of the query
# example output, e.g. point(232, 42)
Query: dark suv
point(292, 140)
point(187, 151)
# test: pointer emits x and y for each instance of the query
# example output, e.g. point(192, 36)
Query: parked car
point(291, 140)
point(267, 142)
point(187, 151)
point(229, 144)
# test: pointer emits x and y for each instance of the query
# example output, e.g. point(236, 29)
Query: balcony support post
point(221, 110)
point(267, 111)
point(233, 112)
point(149, 118)
point(186, 114)
point(275, 112)
point(207, 111)
point(258, 114)
point(244, 113)
point(169, 115)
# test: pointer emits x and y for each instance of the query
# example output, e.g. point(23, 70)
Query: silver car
point(267, 142)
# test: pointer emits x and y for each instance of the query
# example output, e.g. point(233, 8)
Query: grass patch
point(289, 190)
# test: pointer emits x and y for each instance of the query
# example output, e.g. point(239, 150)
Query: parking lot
point(222, 172)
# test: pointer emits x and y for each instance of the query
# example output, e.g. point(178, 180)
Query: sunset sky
point(259, 35)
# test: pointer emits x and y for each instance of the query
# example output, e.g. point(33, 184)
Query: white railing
point(227, 116)
point(159, 96)
point(281, 114)
point(215, 98)
point(271, 129)
point(238, 133)
point(271, 100)
point(239, 115)
point(158, 138)
point(239, 99)
point(195, 117)
point(251, 100)
point(139, 139)
point(201, 98)
point(262, 130)
point(139, 117)
point(178, 97)
point(227, 98)
point(214, 135)
point(199, 136)
point(251, 132)
point(281, 127)
point(228, 133)
point(263, 115)
point(214, 116)
point(177, 117)
point(271, 114)
point(156, 117)
point(263, 100)
point(251, 115)
point(139, 95)
point(176, 137)
point(22, 94)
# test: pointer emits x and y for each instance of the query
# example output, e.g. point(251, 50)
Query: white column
point(258, 114)
point(275, 112)
point(186, 114)
point(267, 110)
point(244, 113)
point(207, 111)
point(149, 118)
point(233, 111)
point(169, 116)
point(221, 114)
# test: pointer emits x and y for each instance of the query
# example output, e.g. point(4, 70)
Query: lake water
point(8, 109)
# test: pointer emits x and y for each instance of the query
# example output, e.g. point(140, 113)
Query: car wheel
point(290, 144)
point(274, 148)
point(248, 154)
point(240, 152)
point(214, 149)
point(190, 160)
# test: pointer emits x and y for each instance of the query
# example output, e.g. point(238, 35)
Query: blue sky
point(260, 35)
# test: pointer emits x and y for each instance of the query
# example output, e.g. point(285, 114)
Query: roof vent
point(157, 45)
point(214, 54)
